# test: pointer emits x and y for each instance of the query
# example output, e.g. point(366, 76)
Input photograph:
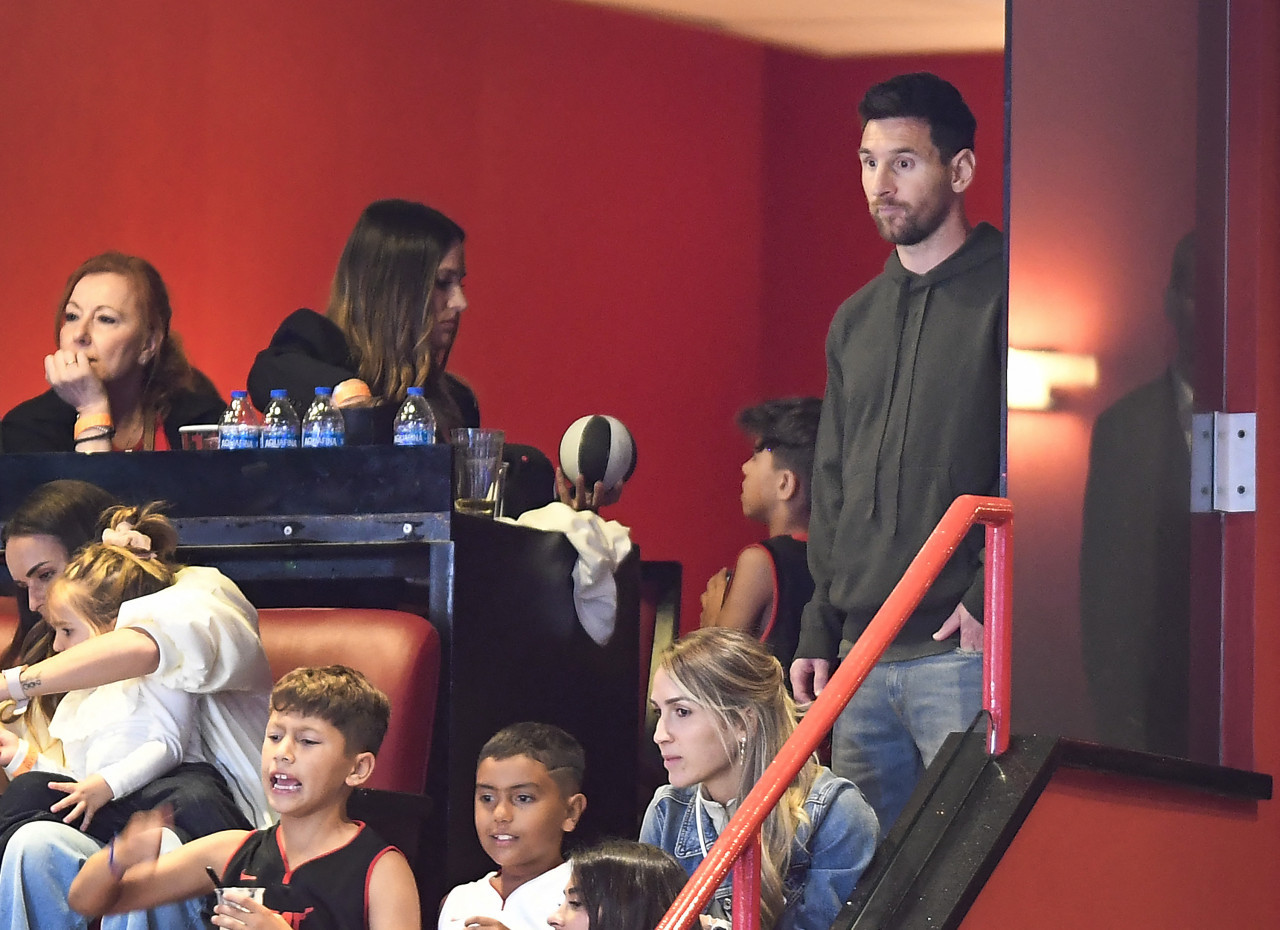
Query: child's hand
point(8, 743)
point(243, 913)
point(484, 923)
point(140, 839)
point(83, 797)
point(713, 597)
point(578, 497)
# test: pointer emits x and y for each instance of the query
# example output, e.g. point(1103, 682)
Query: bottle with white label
point(240, 424)
point(415, 424)
point(279, 423)
point(323, 426)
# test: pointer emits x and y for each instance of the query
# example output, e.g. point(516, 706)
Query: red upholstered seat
point(8, 619)
point(400, 654)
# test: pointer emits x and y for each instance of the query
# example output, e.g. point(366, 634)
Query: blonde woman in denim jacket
point(723, 714)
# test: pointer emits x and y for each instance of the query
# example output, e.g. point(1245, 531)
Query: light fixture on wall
point(1034, 375)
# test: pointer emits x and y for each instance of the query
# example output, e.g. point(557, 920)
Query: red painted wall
point(1102, 852)
point(820, 244)
point(636, 197)
point(607, 170)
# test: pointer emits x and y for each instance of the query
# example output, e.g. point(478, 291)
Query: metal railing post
point(746, 887)
point(998, 636)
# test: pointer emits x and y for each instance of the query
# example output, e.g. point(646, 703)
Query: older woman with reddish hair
point(119, 379)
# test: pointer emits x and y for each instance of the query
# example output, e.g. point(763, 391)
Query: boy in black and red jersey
point(770, 583)
point(317, 868)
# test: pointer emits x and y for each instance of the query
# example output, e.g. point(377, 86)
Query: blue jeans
point(896, 722)
point(39, 864)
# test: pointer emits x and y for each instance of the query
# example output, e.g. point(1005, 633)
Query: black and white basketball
point(599, 448)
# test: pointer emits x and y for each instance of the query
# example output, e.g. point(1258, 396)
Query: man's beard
point(912, 226)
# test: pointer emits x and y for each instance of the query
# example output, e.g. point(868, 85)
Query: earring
point(742, 749)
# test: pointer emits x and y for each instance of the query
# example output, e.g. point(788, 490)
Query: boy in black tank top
point(766, 592)
point(317, 868)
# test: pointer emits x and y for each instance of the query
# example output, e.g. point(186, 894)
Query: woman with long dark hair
point(198, 635)
point(48, 527)
point(394, 311)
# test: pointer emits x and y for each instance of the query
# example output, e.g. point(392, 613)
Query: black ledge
point(1181, 773)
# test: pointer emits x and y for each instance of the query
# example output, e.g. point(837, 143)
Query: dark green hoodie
point(910, 420)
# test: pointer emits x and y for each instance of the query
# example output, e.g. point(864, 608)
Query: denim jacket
point(827, 859)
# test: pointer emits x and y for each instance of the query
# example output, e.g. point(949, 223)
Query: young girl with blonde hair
point(119, 736)
point(723, 715)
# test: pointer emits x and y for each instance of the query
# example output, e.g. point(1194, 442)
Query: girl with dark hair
point(119, 379)
point(723, 715)
point(394, 311)
point(619, 885)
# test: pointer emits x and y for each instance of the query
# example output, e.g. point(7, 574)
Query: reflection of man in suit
point(1135, 553)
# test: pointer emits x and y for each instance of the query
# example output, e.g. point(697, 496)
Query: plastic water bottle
point(240, 423)
point(323, 425)
point(415, 423)
point(279, 423)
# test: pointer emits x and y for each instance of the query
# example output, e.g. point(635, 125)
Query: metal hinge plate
point(1224, 462)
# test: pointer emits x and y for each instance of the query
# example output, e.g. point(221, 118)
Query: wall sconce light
point(1034, 375)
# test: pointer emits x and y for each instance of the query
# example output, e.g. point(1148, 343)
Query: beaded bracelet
point(105, 434)
point(89, 421)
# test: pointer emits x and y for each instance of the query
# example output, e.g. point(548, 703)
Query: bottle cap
point(414, 392)
point(279, 394)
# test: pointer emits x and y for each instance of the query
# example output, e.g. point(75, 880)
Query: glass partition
point(1117, 128)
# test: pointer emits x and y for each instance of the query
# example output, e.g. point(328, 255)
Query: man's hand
point(808, 678)
point(971, 632)
point(578, 497)
point(713, 597)
point(83, 797)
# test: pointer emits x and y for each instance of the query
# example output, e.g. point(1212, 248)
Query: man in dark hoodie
point(910, 420)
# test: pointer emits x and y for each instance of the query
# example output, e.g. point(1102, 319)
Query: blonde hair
point(739, 681)
point(102, 576)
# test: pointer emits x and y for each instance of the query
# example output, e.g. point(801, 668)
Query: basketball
point(599, 448)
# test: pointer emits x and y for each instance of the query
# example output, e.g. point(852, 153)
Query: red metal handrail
point(740, 841)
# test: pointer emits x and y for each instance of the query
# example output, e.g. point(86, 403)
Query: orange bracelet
point(90, 421)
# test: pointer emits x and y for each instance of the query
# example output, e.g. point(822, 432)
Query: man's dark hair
point(926, 97)
point(557, 750)
point(787, 427)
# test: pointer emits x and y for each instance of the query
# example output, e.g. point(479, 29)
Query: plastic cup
point(200, 436)
point(477, 461)
point(254, 894)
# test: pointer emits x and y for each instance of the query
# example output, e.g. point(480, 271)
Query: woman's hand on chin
point(72, 379)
